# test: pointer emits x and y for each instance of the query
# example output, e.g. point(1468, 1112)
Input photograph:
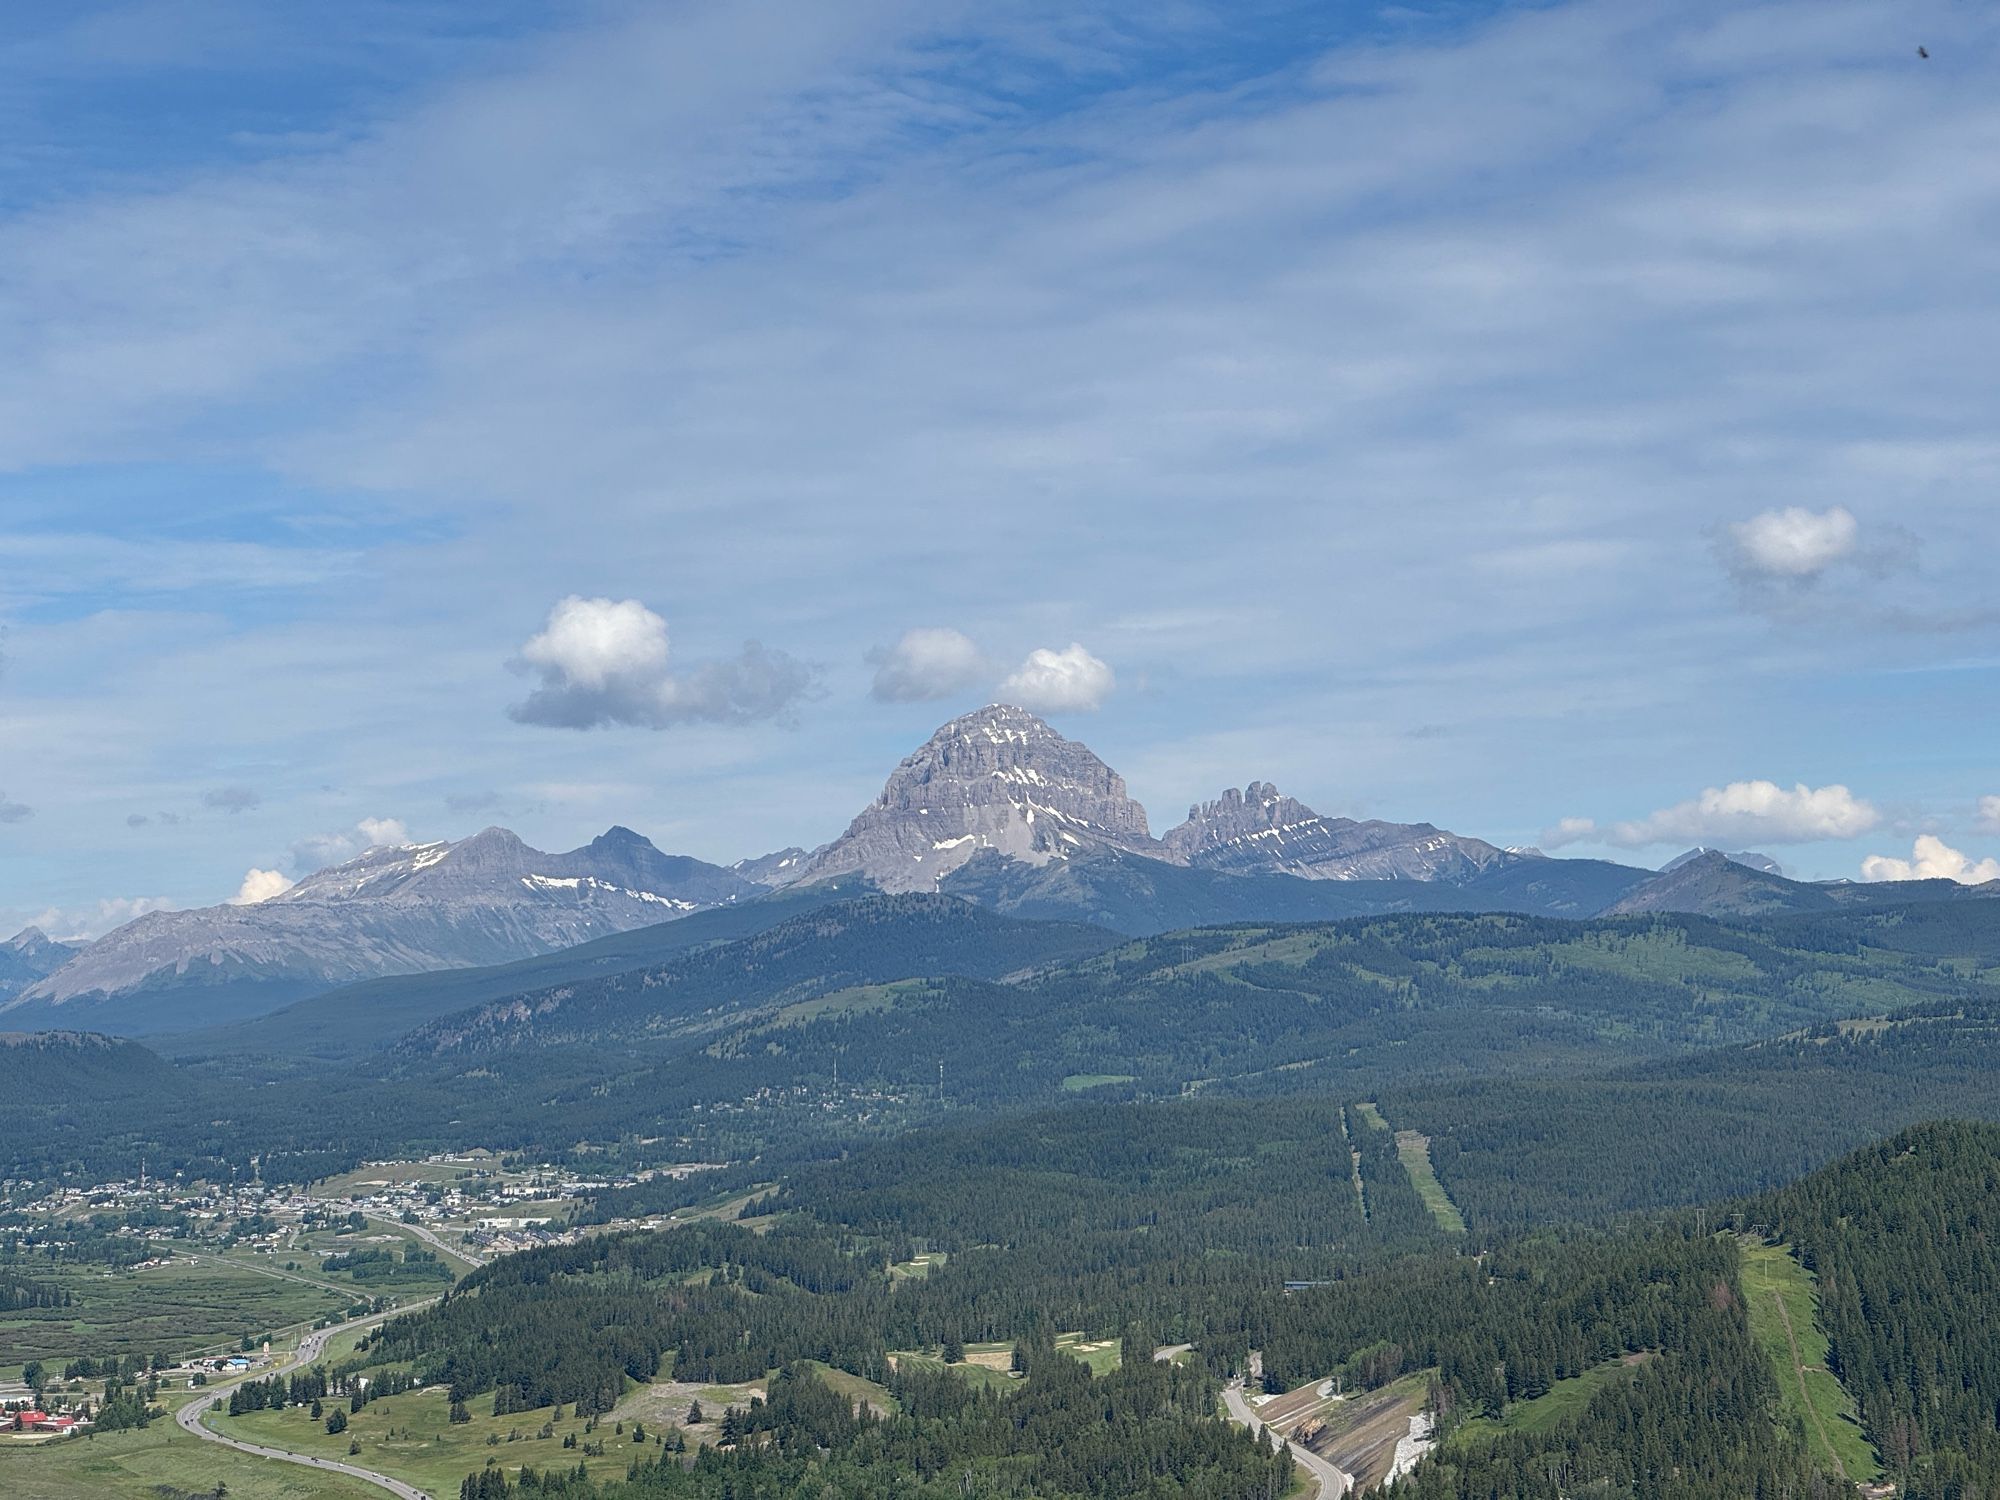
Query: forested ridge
point(1902, 1238)
point(778, 1042)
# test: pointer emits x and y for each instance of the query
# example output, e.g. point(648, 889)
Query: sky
point(1571, 424)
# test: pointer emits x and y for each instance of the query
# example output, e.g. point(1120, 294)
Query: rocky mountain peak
point(1258, 808)
point(1260, 831)
point(998, 778)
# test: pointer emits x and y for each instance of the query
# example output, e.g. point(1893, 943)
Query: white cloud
point(1989, 814)
point(1570, 831)
point(1057, 680)
point(1742, 812)
point(1931, 858)
point(379, 831)
point(319, 850)
point(929, 662)
point(260, 885)
point(14, 812)
point(605, 661)
point(1795, 543)
point(68, 924)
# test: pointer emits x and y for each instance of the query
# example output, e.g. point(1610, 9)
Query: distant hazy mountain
point(997, 779)
point(1259, 831)
point(779, 867)
point(394, 910)
point(29, 955)
point(1715, 884)
point(366, 1017)
point(1762, 862)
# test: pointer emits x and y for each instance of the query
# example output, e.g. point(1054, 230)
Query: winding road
point(1333, 1483)
point(189, 1417)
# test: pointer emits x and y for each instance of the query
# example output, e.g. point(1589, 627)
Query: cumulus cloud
point(380, 831)
point(322, 849)
point(1931, 858)
point(1794, 543)
point(1056, 680)
point(1570, 831)
point(1741, 812)
point(606, 661)
point(260, 885)
point(1989, 814)
point(14, 812)
point(929, 662)
point(232, 799)
point(136, 820)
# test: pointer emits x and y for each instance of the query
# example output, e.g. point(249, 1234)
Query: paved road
point(273, 1271)
point(190, 1416)
point(433, 1241)
point(1333, 1483)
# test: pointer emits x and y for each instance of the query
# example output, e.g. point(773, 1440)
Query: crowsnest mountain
point(998, 779)
point(1002, 782)
point(393, 910)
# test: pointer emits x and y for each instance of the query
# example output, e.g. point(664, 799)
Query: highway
point(432, 1240)
point(1333, 1483)
point(190, 1416)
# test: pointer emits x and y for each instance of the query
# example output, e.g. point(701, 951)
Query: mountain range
point(996, 808)
point(394, 910)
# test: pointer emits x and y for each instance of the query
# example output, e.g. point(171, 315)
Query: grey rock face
point(403, 909)
point(1259, 831)
point(996, 779)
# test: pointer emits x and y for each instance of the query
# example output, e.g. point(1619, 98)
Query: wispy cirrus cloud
point(834, 318)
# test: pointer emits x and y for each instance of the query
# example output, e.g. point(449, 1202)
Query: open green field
point(985, 1364)
point(1565, 1399)
point(1784, 1308)
point(175, 1309)
point(1076, 1083)
point(384, 1174)
point(1415, 1151)
point(854, 1388)
point(1102, 1355)
point(412, 1437)
point(158, 1464)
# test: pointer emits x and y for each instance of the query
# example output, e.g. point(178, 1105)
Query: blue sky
point(1568, 423)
